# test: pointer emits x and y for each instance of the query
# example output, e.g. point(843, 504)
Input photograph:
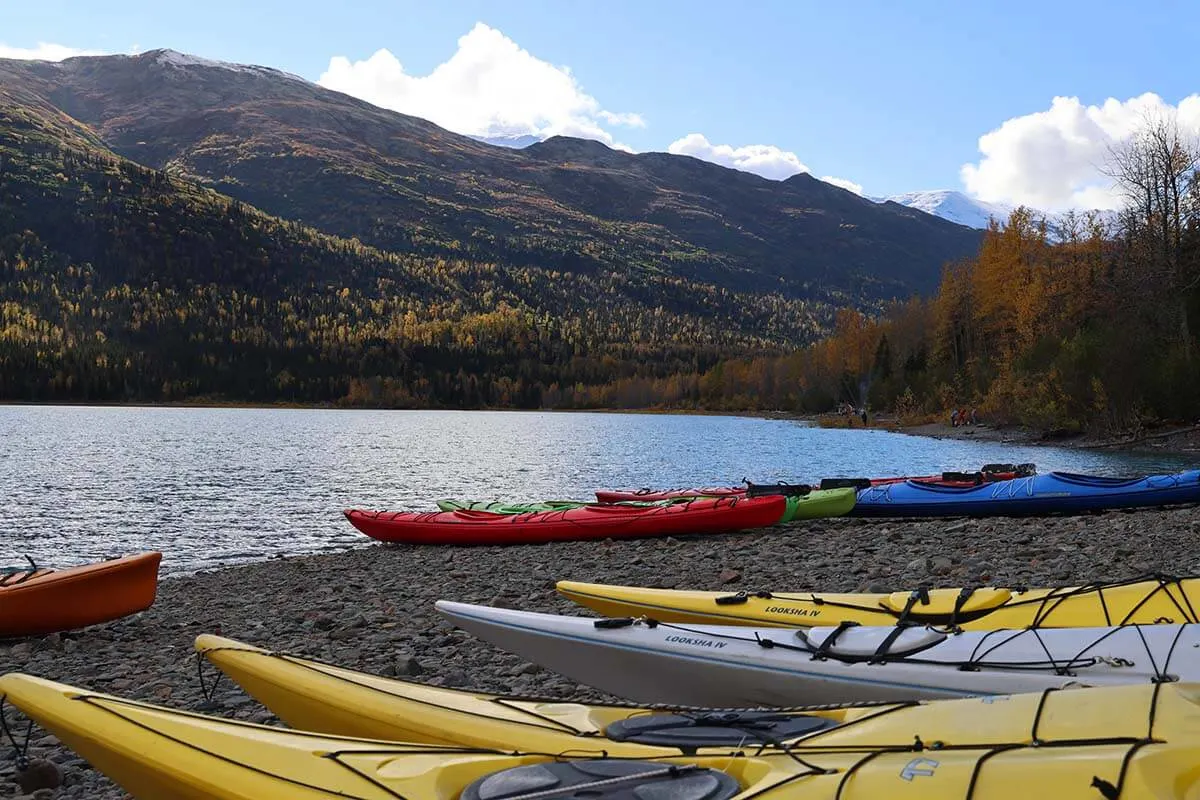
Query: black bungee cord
point(20, 751)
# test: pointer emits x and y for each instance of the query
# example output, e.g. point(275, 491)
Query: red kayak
point(989, 473)
point(704, 515)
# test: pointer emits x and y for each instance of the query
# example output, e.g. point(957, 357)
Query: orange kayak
point(38, 601)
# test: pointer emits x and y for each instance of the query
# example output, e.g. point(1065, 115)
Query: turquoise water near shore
point(212, 486)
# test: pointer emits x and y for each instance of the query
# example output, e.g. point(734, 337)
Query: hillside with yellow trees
point(174, 275)
point(1093, 331)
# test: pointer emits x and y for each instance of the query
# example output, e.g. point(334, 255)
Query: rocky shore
point(372, 608)
point(1175, 439)
point(980, 433)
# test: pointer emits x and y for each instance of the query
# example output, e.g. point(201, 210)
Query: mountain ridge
point(948, 204)
point(299, 151)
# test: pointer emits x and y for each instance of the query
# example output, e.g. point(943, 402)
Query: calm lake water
point(219, 486)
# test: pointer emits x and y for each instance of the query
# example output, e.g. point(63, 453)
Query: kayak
point(154, 752)
point(729, 665)
point(500, 507)
point(812, 505)
point(702, 515)
point(312, 696)
point(988, 473)
point(1135, 742)
point(1054, 492)
point(1148, 601)
point(625, 495)
point(37, 601)
point(819, 504)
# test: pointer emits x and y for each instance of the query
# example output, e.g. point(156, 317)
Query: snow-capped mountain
point(957, 207)
point(954, 206)
point(515, 140)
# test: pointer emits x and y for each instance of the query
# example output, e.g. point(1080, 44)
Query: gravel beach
point(372, 608)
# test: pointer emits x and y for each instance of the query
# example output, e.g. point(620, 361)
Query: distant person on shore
point(974, 419)
point(863, 413)
point(954, 418)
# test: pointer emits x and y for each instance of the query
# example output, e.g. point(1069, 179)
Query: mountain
point(120, 282)
point(301, 152)
point(958, 207)
point(953, 206)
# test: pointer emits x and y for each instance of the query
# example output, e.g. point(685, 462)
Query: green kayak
point(820, 503)
point(814, 505)
point(499, 507)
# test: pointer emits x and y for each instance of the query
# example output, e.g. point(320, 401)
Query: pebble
point(940, 565)
point(40, 774)
point(371, 608)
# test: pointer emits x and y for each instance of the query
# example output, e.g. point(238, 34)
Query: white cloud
point(766, 160)
point(1054, 159)
point(626, 118)
point(844, 183)
point(45, 51)
point(489, 87)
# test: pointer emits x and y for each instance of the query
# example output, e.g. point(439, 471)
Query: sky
point(1010, 102)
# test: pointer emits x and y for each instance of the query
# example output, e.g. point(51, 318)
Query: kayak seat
point(1098, 481)
point(612, 509)
point(646, 780)
point(716, 728)
point(869, 643)
point(474, 515)
point(942, 602)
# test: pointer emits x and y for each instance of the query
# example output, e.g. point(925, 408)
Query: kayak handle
point(741, 597)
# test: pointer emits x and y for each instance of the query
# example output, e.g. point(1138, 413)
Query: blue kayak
point(1052, 493)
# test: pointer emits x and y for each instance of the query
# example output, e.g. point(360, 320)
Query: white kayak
point(728, 665)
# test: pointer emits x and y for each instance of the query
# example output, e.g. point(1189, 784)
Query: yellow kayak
point(1132, 742)
point(1143, 602)
point(310, 695)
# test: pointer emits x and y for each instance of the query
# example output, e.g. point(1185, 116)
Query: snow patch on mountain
point(515, 141)
point(954, 206)
point(958, 207)
point(174, 58)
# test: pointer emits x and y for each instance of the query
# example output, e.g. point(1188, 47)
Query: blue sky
point(891, 96)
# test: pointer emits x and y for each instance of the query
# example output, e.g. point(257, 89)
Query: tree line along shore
point(1071, 327)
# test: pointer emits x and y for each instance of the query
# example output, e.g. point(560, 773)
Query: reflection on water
point(210, 486)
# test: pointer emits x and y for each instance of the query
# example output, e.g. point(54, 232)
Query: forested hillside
point(1097, 332)
point(119, 282)
point(175, 229)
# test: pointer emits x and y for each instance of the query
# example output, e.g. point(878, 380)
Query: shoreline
point(371, 608)
point(1181, 439)
point(1176, 439)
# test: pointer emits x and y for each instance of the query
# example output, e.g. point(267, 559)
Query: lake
point(221, 486)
